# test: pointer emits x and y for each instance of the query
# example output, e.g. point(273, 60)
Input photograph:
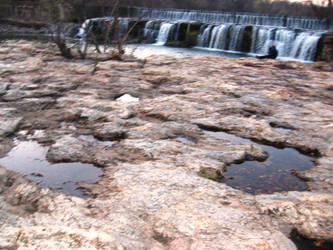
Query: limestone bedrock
point(155, 112)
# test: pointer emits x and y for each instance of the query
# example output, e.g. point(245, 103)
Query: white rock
point(127, 98)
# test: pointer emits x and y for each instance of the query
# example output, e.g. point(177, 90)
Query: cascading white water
point(301, 45)
point(239, 18)
point(305, 46)
point(223, 37)
point(236, 37)
point(284, 39)
point(164, 33)
point(98, 25)
point(213, 36)
point(219, 38)
point(261, 39)
point(291, 43)
point(151, 30)
point(177, 33)
point(203, 37)
point(307, 23)
point(259, 19)
point(123, 26)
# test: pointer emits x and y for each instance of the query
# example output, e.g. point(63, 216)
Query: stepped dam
point(296, 38)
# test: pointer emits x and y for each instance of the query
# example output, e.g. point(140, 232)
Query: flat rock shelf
point(143, 123)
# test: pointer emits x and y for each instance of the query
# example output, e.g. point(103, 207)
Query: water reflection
point(29, 158)
point(272, 175)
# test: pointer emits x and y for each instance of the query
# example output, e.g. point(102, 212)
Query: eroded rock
point(9, 126)
point(152, 148)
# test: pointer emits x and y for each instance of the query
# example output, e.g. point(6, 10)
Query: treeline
point(277, 7)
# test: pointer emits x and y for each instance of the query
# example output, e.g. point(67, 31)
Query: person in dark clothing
point(272, 53)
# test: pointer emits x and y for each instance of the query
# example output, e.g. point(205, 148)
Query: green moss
point(211, 174)
point(75, 86)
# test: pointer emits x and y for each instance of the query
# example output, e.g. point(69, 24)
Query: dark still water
point(272, 175)
point(29, 159)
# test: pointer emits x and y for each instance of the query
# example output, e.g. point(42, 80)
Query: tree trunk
point(117, 37)
point(65, 52)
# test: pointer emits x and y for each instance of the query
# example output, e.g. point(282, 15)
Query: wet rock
point(165, 130)
point(29, 65)
point(211, 173)
point(22, 197)
point(110, 132)
point(120, 153)
point(326, 52)
point(320, 177)
point(5, 146)
point(126, 114)
point(150, 194)
point(310, 212)
point(9, 126)
point(69, 149)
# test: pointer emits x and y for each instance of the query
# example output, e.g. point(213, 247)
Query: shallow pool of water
point(273, 175)
point(303, 243)
point(29, 159)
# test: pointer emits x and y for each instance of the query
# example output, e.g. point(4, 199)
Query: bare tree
point(111, 26)
point(54, 13)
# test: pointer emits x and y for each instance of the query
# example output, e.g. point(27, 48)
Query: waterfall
point(261, 39)
point(219, 38)
point(81, 32)
point(164, 33)
point(305, 46)
point(151, 30)
point(307, 23)
point(301, 45)
point(284, 41)
point(259, 19)
point(123, 26)
point(239, 18)
point(177, 33)
point(204, 36)
point(97, 25)
point(291, 43)
point(224, 37)
point(236, 37)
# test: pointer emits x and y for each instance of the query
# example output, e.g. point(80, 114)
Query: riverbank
point(158, 116)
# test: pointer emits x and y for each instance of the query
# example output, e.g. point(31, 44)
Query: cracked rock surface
point(155, 113)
